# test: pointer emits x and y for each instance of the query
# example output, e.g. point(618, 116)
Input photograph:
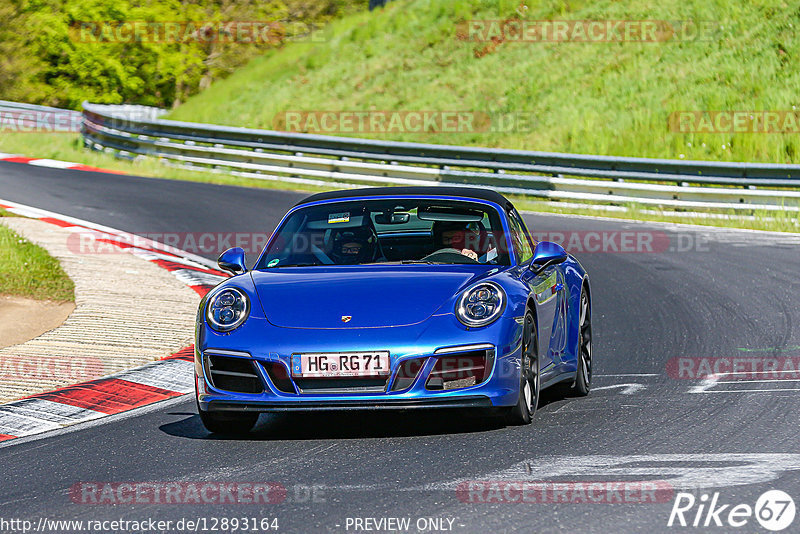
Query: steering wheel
point(449, 255)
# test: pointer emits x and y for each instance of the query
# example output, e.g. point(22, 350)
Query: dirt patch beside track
point(22, 319)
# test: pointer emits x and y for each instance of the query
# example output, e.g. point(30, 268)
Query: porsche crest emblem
point(347, 318)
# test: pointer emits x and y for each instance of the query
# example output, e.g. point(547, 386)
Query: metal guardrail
point(129, 112)
point(18, 117)
point(19, 106)
point(136, 131)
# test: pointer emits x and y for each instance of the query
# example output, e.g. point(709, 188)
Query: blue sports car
point(394, 298)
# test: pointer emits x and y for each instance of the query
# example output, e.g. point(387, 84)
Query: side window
point(528, 239)
point(519, 237)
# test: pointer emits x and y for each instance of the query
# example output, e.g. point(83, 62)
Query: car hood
point(360, 296)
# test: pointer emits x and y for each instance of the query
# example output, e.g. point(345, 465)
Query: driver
point(353, 246)
point(457, 235)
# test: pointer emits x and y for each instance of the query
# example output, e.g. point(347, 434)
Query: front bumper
point(349, 404)
point(428, 343)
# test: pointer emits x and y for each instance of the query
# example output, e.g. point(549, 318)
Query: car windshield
point(389, 231)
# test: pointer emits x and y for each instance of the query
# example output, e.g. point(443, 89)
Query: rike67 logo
point(774, 510)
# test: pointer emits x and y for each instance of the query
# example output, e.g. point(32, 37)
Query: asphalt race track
point(732, 295)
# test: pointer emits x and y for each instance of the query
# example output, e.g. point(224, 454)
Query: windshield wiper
point(419, 262)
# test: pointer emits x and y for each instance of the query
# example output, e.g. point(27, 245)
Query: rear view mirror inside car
point(445, 213)
point(392, 218)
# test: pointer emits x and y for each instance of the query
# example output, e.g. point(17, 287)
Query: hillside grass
point(27, 270)
point(594, 98)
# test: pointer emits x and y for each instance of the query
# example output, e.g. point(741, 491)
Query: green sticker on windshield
point(273, 263)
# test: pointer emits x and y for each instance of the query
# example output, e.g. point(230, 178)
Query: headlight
point(481, 305)
point(227, 310)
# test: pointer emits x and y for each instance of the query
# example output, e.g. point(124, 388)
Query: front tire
point(231, 423)
point(583, 376)
point(530, 384)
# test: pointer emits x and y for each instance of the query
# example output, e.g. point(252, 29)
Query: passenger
point(354, 246)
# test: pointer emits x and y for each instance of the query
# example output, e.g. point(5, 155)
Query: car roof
point(476, 193)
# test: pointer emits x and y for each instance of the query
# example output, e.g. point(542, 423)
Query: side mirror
point(548, 253)
point(232, 260)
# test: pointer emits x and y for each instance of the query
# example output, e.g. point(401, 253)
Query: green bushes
point(49, 58)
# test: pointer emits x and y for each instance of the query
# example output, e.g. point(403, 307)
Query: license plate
point(344, 364)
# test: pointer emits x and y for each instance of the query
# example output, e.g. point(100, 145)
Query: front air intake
point(279, 376)
point(407, 373)
point(237, 375)
point(460, 370)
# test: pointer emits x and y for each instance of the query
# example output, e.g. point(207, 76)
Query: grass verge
point(27, 270)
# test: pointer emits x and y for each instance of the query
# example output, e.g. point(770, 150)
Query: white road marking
point(54, 163)
point(135, 412)
point(197, 278)
point(16, 424)
point(151, 255)
point(705, 385)
point(764, 380)
point(172, 375)
point(22, 212)
point(627, 389)
point(50, 411)
point(711, 381)
point(632, 374)
point(770, 390)
point(681, 471)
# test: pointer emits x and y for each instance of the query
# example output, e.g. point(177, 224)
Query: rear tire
point(530, 384)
